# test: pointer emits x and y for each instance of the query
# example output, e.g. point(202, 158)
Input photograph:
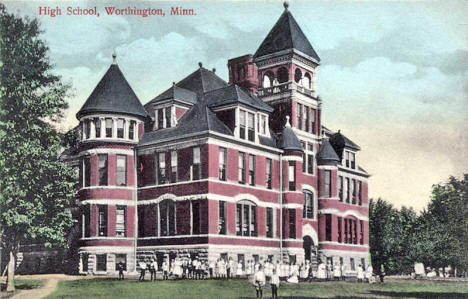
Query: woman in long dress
point(293, 278)
point(322, 271)
point(239, 271)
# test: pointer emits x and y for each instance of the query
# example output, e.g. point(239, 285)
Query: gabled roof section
point(235, 94)
point(327, 154)
point(339, 141)
point(201, 81)
point(113, 94)
point(177, 93)
point(286, 35)
point(197, 120)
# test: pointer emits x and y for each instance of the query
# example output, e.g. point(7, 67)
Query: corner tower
point(111, 123)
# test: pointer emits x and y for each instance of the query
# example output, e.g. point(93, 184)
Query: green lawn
point(109, 288)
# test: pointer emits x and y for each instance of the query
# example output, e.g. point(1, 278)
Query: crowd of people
point(260, 273)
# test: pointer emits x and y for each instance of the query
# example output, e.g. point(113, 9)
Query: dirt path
point(48, 286)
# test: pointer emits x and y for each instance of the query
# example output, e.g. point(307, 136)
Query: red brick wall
point(232, 164)
point(111, 220)
point(261, 221)
point(130, 171)
point(184, 160)
point(204, 216)
point(93, 220)
point(204, 150)
point(112, 161)
point(231, 218)
point(213, 210)
point(130, 221)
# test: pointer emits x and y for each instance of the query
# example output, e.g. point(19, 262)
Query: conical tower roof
point(327, 154)
point(113, 94)
point(288, 139)
point(286, 35)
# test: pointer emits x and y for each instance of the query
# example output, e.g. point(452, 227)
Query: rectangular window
point(299, 116)
point(222, 163)
point(161, 168)
point(196, 218)
point(131, 130)
point(87, 171)
point(306, 119)
point(292, 223)
point(87, 124)
point(353, 194)
point(269, 222)
point(101, 262)
point(239, 219)
point(120, 221)
point(251, 126)
point(352, 158)
point(109, 123)
point(327, 183)
point(355, 231)
point(345, 230)
point(86, 221)
point(312, 121)
point(121, 175)
point(168, 117)
point(222, 218)
point(363, 263)
point(121, 258)
point(196, 168)
point(310, 164)
point(347, 189)
point(292, 175)
point(347, 158)
point(97, 127)
point(102, 169)
point(102, 220)
point(120, 128)
point(360, 193)
point(252, 170)
point(308, 208)
point(241, 168)
point(173, 166)
point(328, 227)
point(353, 265)
point(242, 124)
point(263, 124)
point(269, 165)
point(246, 221)
point(340, 187)
point(304, 156)
point(160, 118)
point(253, 221)
point(361, 234)
point(339, 230)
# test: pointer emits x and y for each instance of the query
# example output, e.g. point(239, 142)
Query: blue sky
point(393, 76)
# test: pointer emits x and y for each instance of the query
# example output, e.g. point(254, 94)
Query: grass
point(21, 284)
point(111, 288)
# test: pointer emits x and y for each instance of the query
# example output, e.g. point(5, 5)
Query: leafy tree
point(390, 233)
point(442, 235)
point(35, 187)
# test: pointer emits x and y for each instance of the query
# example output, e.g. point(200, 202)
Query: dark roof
point(286, 35)
point(235, 94)
point(340, 141)
point(113, 94)
point(177, 93)
point(201, 81)
point(198, 119)
point(327, 153)
point(288, 140)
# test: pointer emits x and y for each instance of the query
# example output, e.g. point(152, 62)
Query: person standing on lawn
point(142, 271)
point(275, 281)
point(259, 281)
point(153, 269)
point(120, 267)
point(165, 268)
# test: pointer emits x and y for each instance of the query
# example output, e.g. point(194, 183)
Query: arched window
point(283, 75)
point(308, 209)
point(297, 75)
point(306, 81)
point(246, 218)
point(267, 79)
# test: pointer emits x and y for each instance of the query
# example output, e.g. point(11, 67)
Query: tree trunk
point(11, 272)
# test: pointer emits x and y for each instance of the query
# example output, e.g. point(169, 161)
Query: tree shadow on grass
point(419, 294)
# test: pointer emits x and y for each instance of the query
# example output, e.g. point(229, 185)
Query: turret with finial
point(286, 5)
point(114, 57)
